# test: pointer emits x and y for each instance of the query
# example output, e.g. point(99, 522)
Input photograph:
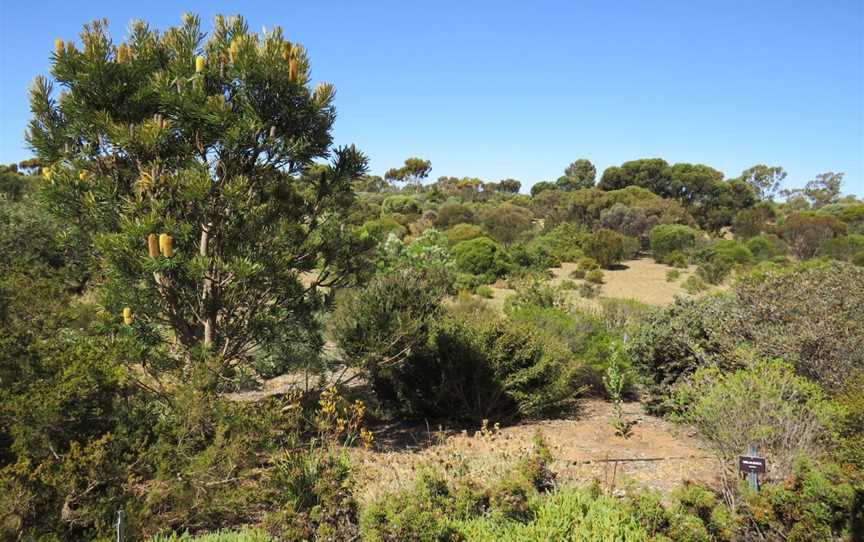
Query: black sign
point(748, 463)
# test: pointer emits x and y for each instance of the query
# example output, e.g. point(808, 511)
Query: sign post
point(753, 465)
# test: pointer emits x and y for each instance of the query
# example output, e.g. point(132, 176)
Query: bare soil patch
point(659, 455)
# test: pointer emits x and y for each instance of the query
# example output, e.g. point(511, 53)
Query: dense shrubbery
point(667, 239)
point(483, 257)
point(605, 246)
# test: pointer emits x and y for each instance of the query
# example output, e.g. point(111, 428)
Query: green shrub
point(816, 503)
point(452, 213)
point(677, 340)
point(713, 271)
point(399, 204)
point(631, 248)
point(858, 259)
point(588, 264)
point(765, 247)
point(567, 285)
point(482, 256)
point(677, 259)
point(380, 228)
point(624, 316)
point(594, 276)
point(843, 248)
point(246, 535)
point(764, 404)
point(694, 285)
point(484, 291)
point(463, 232)
point(668, 238)
point(588, 290)
point(604, 246)
point(535, 292)
point(672, 275)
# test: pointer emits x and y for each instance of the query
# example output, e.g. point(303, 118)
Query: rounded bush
point(595, 276)
point(605, 246)
point(404, 205)
point(667, 238)
point(482, 256)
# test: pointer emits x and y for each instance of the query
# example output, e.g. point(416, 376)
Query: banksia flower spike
point(83, 175)
point(153, 245)
point(123, 53)
point(58, 46)
point(127, 316)
point(199, 64)
point(166, 245)
point(232, 51)
point(292, 71)
point(286, 52)
point(46, 173)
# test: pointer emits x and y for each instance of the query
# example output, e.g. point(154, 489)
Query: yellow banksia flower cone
point(46, 172)
point(232, 51)
point(83, 175)
point(153, 245)
point(286, 52)
point(292, 70)
point(166, 245)
point(122, 53)
point(199, 64)
point(127, 316)
point(58, 46)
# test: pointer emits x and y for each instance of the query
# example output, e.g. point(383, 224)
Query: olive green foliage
point(717, 261)
point(246, 535)
point(807, 233)
point(844, 248)
point(808, 315)
point(595, 276)
point(765, 404)
point(676, 341)
point(694, 284)
point(463, 232)
point(174, 133)
point(482, 256)
point(605, 246)
point(811, 315)
point(412, 172)
point(399, 204)
point(668, 238)
point(673, 275)
point(424, 362)
point(452, 213)
point(765, 247)
point(380, 228)
point(506, 222)
point(484, 291)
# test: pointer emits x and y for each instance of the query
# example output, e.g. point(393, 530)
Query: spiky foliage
point(212, 141)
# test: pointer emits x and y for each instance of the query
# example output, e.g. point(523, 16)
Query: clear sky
point(520, 89)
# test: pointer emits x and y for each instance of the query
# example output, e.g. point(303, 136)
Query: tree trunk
point(207, 317)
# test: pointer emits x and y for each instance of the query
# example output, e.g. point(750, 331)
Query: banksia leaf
point(166, 245)
point(153, 245)
point(127, 316)
point(58, 46)
point(199, 64)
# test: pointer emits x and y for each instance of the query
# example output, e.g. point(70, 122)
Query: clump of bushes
point(694, 284)
point(595, 276)
point(425, 362)
point(484, 291)
point(482, 257)
point(605, 246)
point(672, 275)
point(668, 238)
point(583, 266)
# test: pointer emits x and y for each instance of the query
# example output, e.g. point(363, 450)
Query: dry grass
point(642, 279)
point(658, 455)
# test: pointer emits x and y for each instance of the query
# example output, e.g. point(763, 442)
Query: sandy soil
point(658, 455)
point(641, 279)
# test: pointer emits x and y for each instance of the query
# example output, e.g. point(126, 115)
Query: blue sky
point(506, 89)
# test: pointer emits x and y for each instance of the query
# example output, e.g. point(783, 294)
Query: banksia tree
point(218, 140)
